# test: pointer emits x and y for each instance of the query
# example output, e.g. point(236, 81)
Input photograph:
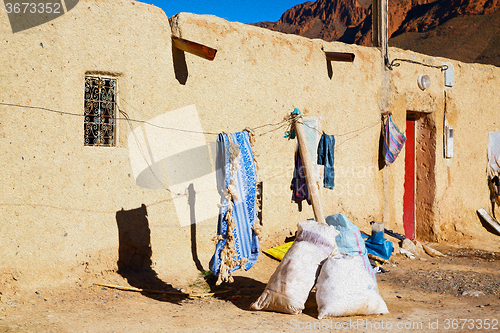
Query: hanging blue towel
point(245, 208)
point(326, 149)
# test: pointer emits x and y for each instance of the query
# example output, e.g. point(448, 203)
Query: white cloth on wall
point(494, 150)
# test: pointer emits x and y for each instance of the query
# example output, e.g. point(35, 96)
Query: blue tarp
point(379, 246)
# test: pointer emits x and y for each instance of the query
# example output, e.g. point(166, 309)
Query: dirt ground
point(457, 293)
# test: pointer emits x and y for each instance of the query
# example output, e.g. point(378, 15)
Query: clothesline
point(281, 123)
point(287, 121)
point(343, 134)
point(128, 119)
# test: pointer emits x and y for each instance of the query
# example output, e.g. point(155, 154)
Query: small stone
point(472, 293)
point(407, 253)
point(409, 246)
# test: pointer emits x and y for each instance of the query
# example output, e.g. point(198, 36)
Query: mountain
point(468, 38)
point(465, 30)
point(326, 19)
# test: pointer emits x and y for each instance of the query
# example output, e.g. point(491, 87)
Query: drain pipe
point(379, 39)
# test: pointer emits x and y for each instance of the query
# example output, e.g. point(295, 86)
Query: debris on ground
point(408, 245)
point(407, 253)
point(430, 251)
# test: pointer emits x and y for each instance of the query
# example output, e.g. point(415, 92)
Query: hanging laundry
point(326, 149)
point(312, 129)
point(494, 151)
point(299, 184)
point(238, 244)
point(394, 140)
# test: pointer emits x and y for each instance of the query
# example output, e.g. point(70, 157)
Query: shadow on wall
point(194, 249)
point(134, 255)
point(381, 157)
point(329, 69)
point(180, 66)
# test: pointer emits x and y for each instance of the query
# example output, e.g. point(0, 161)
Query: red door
point(409, 195)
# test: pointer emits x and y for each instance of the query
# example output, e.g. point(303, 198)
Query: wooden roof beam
point(194, 48)
point(339, 56)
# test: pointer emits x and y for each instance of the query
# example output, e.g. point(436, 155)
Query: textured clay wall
point(67, 209)
point(451, 189)
point(59, 199)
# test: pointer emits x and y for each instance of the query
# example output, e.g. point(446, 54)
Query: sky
point(244, 11)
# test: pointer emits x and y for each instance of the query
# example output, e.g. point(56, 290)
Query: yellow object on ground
point(279, 252)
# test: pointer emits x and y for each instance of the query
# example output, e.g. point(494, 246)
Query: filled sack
point(349, 240)
point(288, 288)
point(345, 288)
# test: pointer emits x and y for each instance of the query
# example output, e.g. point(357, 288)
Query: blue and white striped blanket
point(245, 206)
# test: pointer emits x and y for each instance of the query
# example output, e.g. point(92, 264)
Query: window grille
point(100, 106)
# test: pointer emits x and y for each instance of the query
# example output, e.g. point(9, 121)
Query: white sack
point(345, 288)
point(288, 288)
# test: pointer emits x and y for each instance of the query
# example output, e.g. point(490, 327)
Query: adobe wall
point(62, 203)
point(471, 107)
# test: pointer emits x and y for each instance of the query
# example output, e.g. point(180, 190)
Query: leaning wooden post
point(309, 173)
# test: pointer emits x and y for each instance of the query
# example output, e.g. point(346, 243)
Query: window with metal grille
point(100, 106)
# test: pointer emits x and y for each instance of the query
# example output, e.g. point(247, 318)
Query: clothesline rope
point(130, 120)
point(288, 120)
point(361, 130)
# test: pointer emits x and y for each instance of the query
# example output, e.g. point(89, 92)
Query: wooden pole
point(160, 291)
point(309, 173)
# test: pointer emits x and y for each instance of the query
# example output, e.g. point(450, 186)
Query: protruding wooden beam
point(194, 48)
point(339, 56)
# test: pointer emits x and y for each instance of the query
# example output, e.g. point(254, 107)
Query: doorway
point(420, 182)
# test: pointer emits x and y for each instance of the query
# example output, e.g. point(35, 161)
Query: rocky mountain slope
point(466, 30)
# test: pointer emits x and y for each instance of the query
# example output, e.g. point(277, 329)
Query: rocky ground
point(457, 293)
